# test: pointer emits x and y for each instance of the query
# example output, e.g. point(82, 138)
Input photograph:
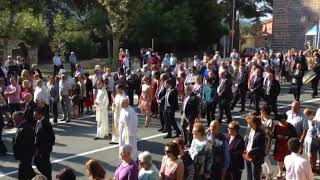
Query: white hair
point(126, 148)
point(145, 157)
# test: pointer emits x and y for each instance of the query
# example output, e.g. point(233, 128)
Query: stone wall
point(291, 20)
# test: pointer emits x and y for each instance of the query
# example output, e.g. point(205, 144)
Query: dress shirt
point(167, 104)
point(56, 61)
point(250, 140)
point(40, 94)
point(64, 88)
point(297, 168)
point(38, 126)
point(221, 85)
point(72, 59)
point(298, 120)
point(185, 102)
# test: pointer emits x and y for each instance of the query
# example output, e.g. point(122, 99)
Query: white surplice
point(116, 108)
point(128, 128)
point(102, 102)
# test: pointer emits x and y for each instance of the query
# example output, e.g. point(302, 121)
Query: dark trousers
point(296, 91)
point(80, 106)
point(161, 117)
point(314, 85)
point(3, 149)
point(216, 172)
point(233, 174)
point(210, 111)
point(224, 107)
point(54, 109)
point(42, 161)
point(239, 94)
point(187, 134)
point(253, 170)
point(131, 95)
point(272, 103)
point(170, 121)
point(256, 102)
point(56, 69)
point(73, 69)
point(25, 170)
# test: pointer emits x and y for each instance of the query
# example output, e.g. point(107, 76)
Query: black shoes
point(167, 137)
point(113, 143)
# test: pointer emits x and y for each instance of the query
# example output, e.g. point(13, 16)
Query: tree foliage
point(70, 36)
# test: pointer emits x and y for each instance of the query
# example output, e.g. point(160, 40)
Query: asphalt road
point(75, 144)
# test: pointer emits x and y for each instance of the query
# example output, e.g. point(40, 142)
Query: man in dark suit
point(170, 107)
point(297, 81)
point(29, 108)
point(272, 91)
point(23, 146)
point(236, 149)
point(224, 92)
point(255, 148)
point(189, 113)
point(256, 88)
point(44, 140)
point(160, 95)
point(241, 86)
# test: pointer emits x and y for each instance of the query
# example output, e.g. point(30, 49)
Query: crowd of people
point(163, 86)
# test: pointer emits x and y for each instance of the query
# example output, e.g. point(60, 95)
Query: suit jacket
point(257, 86)
point(45, 137)
point(190, 110)
point(236, 149)
point(161, 92)
point(28, 113)
point(226, 90)
point(23, 142)
point(242, 82)
point(274, 89)
point(258, 146)
point(173, 99)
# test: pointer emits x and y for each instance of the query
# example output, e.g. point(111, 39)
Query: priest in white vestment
point(128, 127)
point(116, 108)
point(102, 102)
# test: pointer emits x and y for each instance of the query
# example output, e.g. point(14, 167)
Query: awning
point(312, 31)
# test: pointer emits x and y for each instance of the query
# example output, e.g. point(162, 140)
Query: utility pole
point(233, 23)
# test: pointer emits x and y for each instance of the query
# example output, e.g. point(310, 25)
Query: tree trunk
point(116, 46)
point(109, 46)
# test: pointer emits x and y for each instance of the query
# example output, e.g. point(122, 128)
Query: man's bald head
point(295, 106)
point(214, 127)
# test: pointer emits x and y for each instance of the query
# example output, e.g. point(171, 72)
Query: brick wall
point(291, 20)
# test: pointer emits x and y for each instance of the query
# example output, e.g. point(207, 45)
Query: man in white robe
point(102, 102)
point(128, 127)
point(116, 108)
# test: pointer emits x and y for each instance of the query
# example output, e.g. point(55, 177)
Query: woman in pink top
point(172, 167)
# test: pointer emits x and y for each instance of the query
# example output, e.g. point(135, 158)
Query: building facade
point(291, 20)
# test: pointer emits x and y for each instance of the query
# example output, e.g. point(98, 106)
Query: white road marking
point(83, 154)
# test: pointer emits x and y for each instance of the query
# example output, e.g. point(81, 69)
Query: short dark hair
point(66, 174)
point(170, 82)
point(38, 110)
point(294, 145)
point(174, 148)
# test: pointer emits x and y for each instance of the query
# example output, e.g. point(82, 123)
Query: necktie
point(37, 129)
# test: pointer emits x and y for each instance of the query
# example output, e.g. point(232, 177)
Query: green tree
point(70, 35)
point(166, 25)
point(119, 13)
point(246, 9)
